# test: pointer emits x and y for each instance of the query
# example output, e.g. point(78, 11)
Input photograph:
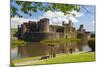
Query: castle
point(34, 32)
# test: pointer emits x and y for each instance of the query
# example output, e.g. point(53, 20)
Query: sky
point(86, 16)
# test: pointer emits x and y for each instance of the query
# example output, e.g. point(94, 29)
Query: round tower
point(43, 25)
point(82, 28)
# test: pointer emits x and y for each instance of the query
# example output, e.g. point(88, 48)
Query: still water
point(15, 55)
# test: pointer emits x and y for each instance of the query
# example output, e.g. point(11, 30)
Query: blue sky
point(86, 16)
point(88, 19)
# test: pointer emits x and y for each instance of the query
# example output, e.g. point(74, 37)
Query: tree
point(92, 35)
point(91, 44)
point(28, 7)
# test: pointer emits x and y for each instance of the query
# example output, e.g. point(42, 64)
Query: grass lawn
point(67, 58)
point(26, 59)
point(83, 57)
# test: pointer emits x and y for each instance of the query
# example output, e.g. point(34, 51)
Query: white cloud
point(77, 14)
point(55, 18)
point(73, 19)
point(17, 21)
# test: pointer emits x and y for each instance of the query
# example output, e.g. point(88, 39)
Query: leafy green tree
point(91, 44)
point(92, 35)
point(28, 7)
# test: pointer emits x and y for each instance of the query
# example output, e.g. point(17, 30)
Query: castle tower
point(43, 25)
point(32, 26)
point(70, 26)
point(24, 27)
point(81, 29)
point(19, 28)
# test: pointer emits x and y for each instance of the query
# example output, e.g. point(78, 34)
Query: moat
point(16, 55)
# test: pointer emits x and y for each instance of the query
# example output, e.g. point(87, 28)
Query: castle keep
point(35, 32)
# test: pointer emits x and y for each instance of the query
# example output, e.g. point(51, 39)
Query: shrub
point(91, 44)
point(12, 64)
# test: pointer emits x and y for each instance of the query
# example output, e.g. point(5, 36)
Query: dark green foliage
point(35, 6)
point(92, 35)
point(12, 64)
point(13, 11)
point(91, 44)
